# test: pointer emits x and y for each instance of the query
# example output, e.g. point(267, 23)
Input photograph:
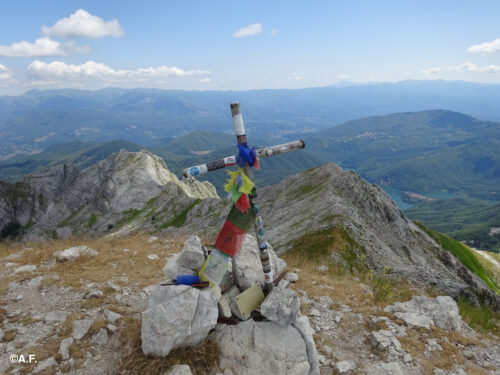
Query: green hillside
point(464, 254)
point(467, 220)
point(421, 152)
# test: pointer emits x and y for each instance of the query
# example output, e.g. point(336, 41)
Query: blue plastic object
point(187, 279)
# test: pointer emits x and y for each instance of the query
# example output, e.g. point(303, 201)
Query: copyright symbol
point(13, 358)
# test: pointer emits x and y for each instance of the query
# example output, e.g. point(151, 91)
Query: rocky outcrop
point(262, 348)
point(182, 315)
point(119, 194)
point(425, 312)
point(178, 316)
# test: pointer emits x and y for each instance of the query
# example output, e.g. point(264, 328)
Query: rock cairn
point(275, 338)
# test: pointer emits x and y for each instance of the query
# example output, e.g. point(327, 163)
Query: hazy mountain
point(421, 152)
point(37, 119)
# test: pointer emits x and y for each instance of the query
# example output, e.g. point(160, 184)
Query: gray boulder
point(424, 311)
point(73, 253)
point(261, 348)
point(192, 255)
point(388, 368)
point(100, 337)
point(304, 327)
point(45, 364)
point(57, 316)
point(178, 316)
point(281, 306)
point(80, 328)
point(247, 268)
point(111, 316)
point(64, 348)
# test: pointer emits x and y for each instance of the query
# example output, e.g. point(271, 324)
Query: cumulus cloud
point(274, 32)
point(82, 24)
point(42, 47)
point(467, 67)
point(431, 70)
point(98, 71)
point(486, 47)
point(253, 29)
point(470, 67)
point(4, 73)
point(343, 77)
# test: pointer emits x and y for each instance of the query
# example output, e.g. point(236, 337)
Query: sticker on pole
point(215, 267)
point(250, 299)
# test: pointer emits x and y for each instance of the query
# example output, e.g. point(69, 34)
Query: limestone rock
point(261, 348)
point(247, 268)
point(64, 348)
point(55, 316)
point(111, 316)
point(192, 255)
point(281, 306)
point(345, 367)
point(94, 294)
point(179, 370)
point(389, 368)
point(303, 325)
point(178, 316)
point(80, 328)
point(424, 311)
point(100, 337)
point(73, 253)
point(45, 364)
point(26, 268)
point(1, 334)
point(292, 277)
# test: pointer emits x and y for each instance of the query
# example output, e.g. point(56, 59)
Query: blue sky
point(206, 45)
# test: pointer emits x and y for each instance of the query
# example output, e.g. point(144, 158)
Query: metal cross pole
point(241, 137)
point(262, 153)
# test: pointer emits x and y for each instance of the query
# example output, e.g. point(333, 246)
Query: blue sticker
point(194, 171)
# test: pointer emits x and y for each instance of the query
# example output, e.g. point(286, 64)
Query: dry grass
point(112, 261)
point(201, 358)
point(357, 290)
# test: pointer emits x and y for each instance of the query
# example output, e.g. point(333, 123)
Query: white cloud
point(431, 70)
point(253, 29)
point(470, 67)
point(343, 77)
point(274, 32)
point(205, 80)
point(82, 24)
point(42, 47)
point(97, 71)
point(486, 47)
point(4, 73)
point(296, 76)
point(466, 67)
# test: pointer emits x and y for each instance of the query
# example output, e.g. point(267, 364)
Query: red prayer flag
point(243, 204)
point(230, 239)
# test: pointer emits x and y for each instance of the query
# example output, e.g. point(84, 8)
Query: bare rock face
point(281, 306)
point(178, 316)
point(424, 311)
point(63, 201)
point(262, 348)
point(247, 267)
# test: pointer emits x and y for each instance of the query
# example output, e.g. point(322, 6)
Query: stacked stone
point(275, 338)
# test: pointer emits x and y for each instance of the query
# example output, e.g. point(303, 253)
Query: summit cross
point(243, 193)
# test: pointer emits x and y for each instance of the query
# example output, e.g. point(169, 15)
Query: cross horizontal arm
point(231, 160)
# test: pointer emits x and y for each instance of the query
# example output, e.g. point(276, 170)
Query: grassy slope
point(464, 219)
point(464, 254)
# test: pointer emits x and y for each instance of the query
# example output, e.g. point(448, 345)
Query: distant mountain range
point(37, 119)
point(433, 153)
